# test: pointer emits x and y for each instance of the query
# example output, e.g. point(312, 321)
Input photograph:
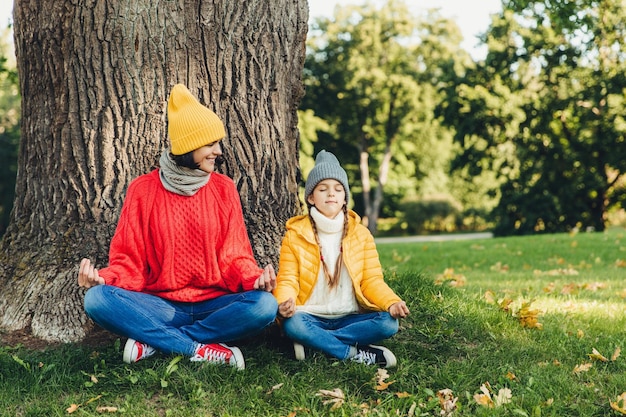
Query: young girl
point(330, 289)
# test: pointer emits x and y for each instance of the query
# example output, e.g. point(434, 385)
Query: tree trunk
point(383, 174)
point(95, 78)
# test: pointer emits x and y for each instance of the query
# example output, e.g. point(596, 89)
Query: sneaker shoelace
point(366, 357)
point(212, 355)
point(143, 351)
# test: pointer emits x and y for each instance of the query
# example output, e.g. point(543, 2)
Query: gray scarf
point(180, 180)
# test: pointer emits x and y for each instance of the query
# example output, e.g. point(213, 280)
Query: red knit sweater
point(178, 247)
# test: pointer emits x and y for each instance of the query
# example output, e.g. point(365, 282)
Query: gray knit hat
point(326, 166)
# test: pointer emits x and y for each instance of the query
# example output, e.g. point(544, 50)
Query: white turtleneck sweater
point(340, 300)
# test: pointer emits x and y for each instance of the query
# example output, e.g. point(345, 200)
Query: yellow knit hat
point(190, 124)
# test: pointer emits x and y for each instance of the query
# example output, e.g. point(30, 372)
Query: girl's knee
point(294, 326)
point(391, 325)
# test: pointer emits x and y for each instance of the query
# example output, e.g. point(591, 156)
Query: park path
point(434, 238)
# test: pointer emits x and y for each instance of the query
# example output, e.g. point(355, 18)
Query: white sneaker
point(298, 350)
point(375, 355)
point(135, 351)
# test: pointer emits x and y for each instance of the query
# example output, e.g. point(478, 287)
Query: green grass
point(456, 338)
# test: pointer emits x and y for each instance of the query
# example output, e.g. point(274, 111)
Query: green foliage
point(431, 215)
point(545, 111)
point(374, 76)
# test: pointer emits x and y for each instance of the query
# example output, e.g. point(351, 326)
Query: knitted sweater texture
point(181, 248)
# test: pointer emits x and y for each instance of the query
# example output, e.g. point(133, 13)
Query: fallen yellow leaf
point(510, 375)
point(383, 385)
point(594, 286)
point(490, 297)
point(381, 375)
point(529, 317)
point(484, 398)
point(619, 404)
point(449, 277)
point(616, 353)
point(583, 367)
point(504, 397)
point(274, 388)
point(105, 409)
point(505, 304)
point(447, 402)
point(335, 397)
point(498, 267)
point(597, 355)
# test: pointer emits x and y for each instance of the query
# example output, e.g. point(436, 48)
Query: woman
point(182, 277)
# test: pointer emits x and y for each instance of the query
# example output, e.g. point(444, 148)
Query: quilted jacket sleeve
point(363, 263)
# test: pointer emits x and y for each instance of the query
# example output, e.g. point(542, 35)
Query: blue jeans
point(335, 336)
point(173, 327)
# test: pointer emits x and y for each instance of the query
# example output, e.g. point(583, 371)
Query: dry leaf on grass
point(616, 353)
point(620, 404)
point(447, 402)
point(499, 267)
point(504, 397)
point(381, 376)
point(486, 400)
point(490, 297)
point(74, 407)
point(334, 397)
point(583, 367)
point(528, 317)
point(450, 278)
point(274, 388)
point(597, 355)
point(106, 409)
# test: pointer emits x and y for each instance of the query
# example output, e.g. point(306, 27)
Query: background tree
point(9, 127)
point(373, 75)
point(546, 111)
point(95, 79)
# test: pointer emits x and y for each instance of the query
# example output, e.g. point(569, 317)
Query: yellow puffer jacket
point(299, 264)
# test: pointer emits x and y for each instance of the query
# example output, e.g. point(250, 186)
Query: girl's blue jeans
point(335, 336)
point(174, 327)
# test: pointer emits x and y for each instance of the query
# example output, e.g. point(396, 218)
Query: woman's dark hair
point(185, 160)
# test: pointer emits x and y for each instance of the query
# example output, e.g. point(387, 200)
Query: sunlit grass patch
point(471, 347)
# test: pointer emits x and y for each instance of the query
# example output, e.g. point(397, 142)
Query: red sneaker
point(219, 353)
point(135, 351)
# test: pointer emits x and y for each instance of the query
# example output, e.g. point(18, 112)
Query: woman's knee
point(93, 300)
point(267, 305)
point(261, 308)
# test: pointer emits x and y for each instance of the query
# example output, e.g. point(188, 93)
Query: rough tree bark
point(95, 78)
